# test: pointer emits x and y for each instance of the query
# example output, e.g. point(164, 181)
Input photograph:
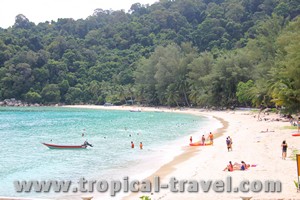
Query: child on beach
point(284, 149)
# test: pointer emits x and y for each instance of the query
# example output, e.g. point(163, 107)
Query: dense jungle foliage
point(206, 53)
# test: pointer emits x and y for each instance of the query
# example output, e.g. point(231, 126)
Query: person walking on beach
point(229, 143)
point(203, 140)
point(284, 149)
point(141, 145)
point(191, 139)
point(211, 138)
point(132, 145)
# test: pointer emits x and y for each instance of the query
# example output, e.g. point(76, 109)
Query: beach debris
point(297, 185)
point(86, 198)
point(246, 198)
point(145, 198)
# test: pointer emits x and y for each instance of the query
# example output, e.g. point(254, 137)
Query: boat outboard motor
point(87, 144)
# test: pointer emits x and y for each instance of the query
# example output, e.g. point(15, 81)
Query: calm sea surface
point(23, 157)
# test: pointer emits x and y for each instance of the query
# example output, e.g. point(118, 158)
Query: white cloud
point(46, 10)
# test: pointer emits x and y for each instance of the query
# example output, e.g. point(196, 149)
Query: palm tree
point(172, 95)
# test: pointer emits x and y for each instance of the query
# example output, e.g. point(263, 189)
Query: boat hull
point(200, 144)
point(55, 146)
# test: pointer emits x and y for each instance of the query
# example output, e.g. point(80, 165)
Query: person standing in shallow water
point(284, 149)
point(132, 145)
point(211, 138)
point(141, 145)
point(203, 140)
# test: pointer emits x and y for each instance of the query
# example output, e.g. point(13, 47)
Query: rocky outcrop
point(16, 103)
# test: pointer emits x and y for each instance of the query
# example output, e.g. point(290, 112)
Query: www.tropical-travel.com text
point(147, 186)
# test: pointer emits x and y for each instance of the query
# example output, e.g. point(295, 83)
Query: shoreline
point(188, 153)
point(251, 143)
point(181, 156)
point(256, 142)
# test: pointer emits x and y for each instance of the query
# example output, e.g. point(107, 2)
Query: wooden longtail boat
point(55, 146)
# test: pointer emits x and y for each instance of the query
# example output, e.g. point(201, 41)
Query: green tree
point(74, 95)
point(22, 22)
point(200, 79)
point(33, 97)
point(144, 80)
point(243, 92)
point(51, 93)
point(17, 81)
point(285, 85)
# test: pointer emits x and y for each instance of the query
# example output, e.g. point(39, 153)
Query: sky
point(46, 10)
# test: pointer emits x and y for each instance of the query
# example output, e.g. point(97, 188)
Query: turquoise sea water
point(23, 157)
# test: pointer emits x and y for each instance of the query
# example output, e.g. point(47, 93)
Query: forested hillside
point(218, 53)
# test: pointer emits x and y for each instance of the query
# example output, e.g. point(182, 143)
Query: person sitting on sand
point(236, 166)
point(230, 167)
point(243, 166)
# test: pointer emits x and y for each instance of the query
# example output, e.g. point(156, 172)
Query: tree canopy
point(219, 53)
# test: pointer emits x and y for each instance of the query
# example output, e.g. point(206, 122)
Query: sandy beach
point(257, 142)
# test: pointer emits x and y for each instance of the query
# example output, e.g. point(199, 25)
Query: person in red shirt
point(211, 137)
point(141, 145)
